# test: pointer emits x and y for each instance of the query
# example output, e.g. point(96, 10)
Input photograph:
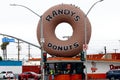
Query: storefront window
point(65, 68)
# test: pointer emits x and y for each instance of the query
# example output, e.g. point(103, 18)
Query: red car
point(29, 75)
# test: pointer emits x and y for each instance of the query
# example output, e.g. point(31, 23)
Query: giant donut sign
point(71, 15)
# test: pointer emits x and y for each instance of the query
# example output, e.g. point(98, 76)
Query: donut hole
point(63, 31)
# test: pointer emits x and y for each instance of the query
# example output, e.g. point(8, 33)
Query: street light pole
point(41, 38)
point(85, 31)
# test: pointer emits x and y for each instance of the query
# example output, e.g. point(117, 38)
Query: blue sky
point(20, 22)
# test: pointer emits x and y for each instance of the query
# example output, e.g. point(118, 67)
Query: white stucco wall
point(102, 66)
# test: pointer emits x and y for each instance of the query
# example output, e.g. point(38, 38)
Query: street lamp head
point(101, 0)
point(13, 5)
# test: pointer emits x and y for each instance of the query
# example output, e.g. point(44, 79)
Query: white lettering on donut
point(60, 12)
point(63, 48)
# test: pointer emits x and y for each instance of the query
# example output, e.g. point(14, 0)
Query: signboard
point(85, 46)
point(93, 68)
point(5, 39)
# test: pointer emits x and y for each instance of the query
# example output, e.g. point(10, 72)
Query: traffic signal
point(44, 57)
point(82, 56)
point(46, 68)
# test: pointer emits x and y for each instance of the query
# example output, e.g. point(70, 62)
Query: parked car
point(113, 74)
point(29, 74)
point(6, 74)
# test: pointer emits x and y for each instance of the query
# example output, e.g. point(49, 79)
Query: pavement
point(33, 79)
point(15, 79)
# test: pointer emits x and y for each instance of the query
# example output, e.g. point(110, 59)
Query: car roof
point(3, 71)
point(115, 70)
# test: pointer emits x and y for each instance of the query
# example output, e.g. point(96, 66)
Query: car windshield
point(33, 73)
point(29, 73)
point(3, 72)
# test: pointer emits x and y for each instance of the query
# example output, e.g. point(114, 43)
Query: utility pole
point(18, 50)
point(115, 50)
point(28, 51)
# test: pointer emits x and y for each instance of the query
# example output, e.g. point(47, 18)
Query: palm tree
point(4, 48)
point(0, 58)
